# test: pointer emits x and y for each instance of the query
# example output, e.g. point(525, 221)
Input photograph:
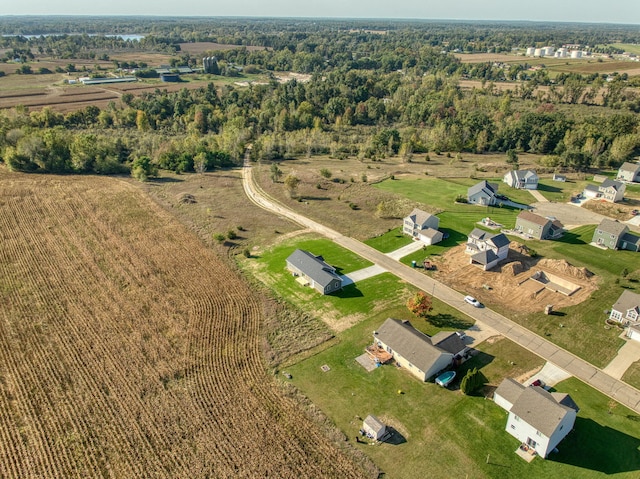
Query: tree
point(142, 168)
point(420, 304)
point(200, 162)
point(512, 158)
point(291, 183)
point(472, 381)
point(276, 173)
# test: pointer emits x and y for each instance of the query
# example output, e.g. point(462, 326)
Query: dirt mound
point(513, 269)
point(186, 199)
point(520, 248)
point(564, 267)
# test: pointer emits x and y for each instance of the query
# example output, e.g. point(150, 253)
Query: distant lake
point(123, 36)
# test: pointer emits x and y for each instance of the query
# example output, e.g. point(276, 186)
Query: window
point(516, 418)
point(561, 426)
point(538, 433)
point(513, 426)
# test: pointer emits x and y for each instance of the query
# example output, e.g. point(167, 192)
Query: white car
point(473, 301)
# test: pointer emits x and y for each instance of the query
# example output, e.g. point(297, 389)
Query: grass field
point(628, 47)
point(558, 191)
point(451, 434)
point(632, 375)
point(129, 349)
point(390, 241)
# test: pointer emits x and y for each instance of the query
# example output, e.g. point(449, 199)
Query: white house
point(537, 418)
point(627, 309)
point(482, 193)
point(609, 190)
point(423, 226)
point(521, 179)
point(629, 172)
point(487, 249)
point(412, 349)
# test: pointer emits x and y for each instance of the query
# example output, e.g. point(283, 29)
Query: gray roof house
point(423, 226)
point(537, 226)
point(412, 349)
point(609, 190)
point(314, 271)
point(615, 235)
point(629, 172)
point(537, 418)
point(483, 194)
point(521, 179)
point(487, 249)
point(627, 309)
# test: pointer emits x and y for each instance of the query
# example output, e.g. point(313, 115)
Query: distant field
point(628, 47)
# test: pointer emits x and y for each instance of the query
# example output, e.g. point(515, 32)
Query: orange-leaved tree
point(420, 304)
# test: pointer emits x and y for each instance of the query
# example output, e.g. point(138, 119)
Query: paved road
point(614, 388)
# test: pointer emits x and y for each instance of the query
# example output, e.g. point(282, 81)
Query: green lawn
point(632, 375)
point(628, 47)
point(456, 219)
point(558, 191)
point(450, 434)
point(389, 241)
point(340, 309)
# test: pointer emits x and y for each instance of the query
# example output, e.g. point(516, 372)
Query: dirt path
point(595, 377)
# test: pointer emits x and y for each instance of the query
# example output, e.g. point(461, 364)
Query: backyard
point(474, 427)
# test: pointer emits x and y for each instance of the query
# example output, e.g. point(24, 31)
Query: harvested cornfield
point(129, 349)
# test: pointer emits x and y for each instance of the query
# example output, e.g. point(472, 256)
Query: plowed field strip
point(128, 349)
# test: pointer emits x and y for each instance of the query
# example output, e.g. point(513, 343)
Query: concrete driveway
point(406, 250)
point(569, 215)
point(361, 274)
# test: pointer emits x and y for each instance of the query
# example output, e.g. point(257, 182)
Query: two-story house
point(487, 249)
point(629, 172)
point(422, 226)
point(537, 418)
point(609, 190)
point(521, 179)
point(482, 193)
point(538, 227)
point(612, 234)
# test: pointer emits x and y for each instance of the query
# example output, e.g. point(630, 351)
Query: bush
point(364, 178)
point(219, 237)
point(325, 173)
point(231, 235)
point(246, 253)
point(353, 206)
point(472, 381)
point(240, 228)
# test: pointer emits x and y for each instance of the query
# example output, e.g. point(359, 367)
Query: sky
point(611, 11)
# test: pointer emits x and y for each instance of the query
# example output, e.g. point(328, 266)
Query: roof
point(477, 233)
point(532, 218)
point(419, 217)
point(627, 300)
point(592, 188)
point(374, 423)
point(409, 343)
point(609, 183)
point(429, 232)
point(485, 257)
point(510, 389)
point(449, 341)
point(613, 227)
point(628, 166)
point(522, 174)
point(313, 266)
point(499, 240)
point(565, 400)
point(484, 187)
point(540, 409)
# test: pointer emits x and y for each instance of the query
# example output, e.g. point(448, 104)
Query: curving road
point(595, 377)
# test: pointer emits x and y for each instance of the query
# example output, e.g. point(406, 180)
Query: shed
point(373, 427)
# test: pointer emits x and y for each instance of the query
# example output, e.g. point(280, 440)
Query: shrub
point(219, 237)
point(353, 206)
point(472, 381)
point(364, 178)
point(325, 173)
point(246, 253)
point(231, 235)
point(240, 228)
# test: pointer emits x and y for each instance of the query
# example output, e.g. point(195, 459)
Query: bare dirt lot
point(129, 349)
point(508, 284)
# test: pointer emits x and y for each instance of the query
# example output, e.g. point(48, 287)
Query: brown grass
point(128, 349)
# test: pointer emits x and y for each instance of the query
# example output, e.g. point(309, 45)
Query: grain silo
point(530, 51)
